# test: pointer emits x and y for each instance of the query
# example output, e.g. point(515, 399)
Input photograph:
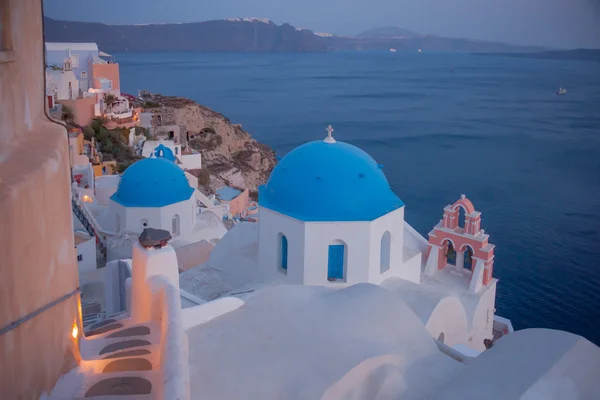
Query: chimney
point(152, 255)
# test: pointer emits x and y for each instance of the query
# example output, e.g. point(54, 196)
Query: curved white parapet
point(206, 312)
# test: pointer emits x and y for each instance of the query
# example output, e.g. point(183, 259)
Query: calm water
point(442, 124)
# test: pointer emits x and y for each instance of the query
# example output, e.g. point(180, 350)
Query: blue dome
point(152, 182)
point(321, 181)
point(163, 151)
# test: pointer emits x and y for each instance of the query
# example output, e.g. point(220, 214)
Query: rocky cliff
point(229, 153)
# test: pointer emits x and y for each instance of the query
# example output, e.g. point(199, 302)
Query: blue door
point(335, 264)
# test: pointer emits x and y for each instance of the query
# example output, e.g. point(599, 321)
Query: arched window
point(450, 254)
point(336, 262)
point(175, 223)
point(384, 257)
point(468, 258)
point(144, 223)
point(118, 223)
point(461, 217)
point(284, 252)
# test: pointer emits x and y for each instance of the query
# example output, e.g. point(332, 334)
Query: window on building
point(468, 258)
point(336, 262)
point(284, 252)
point(450, 254)
point(74, 60)
point(83, 74)
point(80, 257)
point(384, 256)
point(175, 223)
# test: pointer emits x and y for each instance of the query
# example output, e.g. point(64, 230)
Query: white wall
point(483, 318)
point(449, 318)
point(308, 248)
point(270, 226)
point(130, 218)
point(106, 186)
point(192, 180)
point(318, 237)
point(186, 210)
point(87, 252)
point(60, 85)
point(394, 224)
point(191, 161)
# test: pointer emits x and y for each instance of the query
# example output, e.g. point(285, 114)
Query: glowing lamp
point(75, 331)
point(87, 199)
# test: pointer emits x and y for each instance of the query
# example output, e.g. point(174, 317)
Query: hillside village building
point(328, 313)
point(80, 76)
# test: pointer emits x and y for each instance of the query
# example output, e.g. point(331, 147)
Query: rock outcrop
point(229, 153)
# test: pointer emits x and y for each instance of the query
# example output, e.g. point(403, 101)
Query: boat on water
point(392, 50)
point(561, 91)
point(419, 50)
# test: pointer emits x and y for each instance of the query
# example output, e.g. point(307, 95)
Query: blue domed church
point(154, 193)
point(328, 215)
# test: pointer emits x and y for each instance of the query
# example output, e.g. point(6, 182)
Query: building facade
point(39, 300)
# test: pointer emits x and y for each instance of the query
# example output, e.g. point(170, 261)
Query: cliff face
point(229, 153)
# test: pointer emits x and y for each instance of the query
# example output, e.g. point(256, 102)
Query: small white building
point(62, 84)
point(187, 160)
point(154, 193)
point(151, 147)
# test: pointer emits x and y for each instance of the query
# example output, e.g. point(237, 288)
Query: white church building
point(152, 193)
point(342, 225)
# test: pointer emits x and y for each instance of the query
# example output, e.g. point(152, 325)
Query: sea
point(442, 124)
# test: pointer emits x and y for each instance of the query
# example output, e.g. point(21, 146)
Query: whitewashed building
point(328, 217)
point(343, 224)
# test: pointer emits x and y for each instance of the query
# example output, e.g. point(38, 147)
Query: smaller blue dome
point(152, 182)
point(163, 151)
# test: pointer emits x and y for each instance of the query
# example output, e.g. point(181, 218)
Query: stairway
point(120, 360)
point(89, 223)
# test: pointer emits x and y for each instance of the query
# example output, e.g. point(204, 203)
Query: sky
point(550, 23)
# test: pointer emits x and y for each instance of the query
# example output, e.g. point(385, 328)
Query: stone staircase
point(119, 361)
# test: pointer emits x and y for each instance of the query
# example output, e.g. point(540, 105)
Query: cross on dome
point(329, 138)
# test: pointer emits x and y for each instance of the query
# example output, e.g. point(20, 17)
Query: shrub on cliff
point(67, 113)
point(112, 143)
point(204, 177)
point(88, 132)
point(150, 104)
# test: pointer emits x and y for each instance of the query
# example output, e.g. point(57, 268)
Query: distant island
point(576, 55)
point(257, 35)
